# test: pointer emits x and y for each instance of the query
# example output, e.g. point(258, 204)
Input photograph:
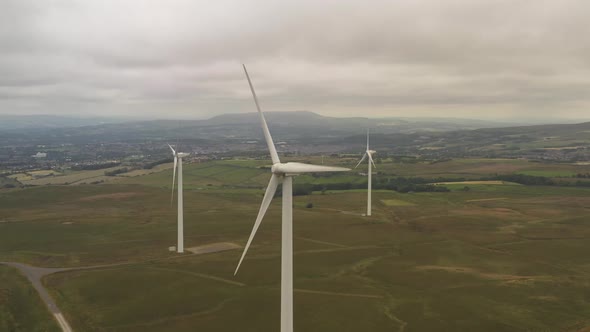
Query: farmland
point(494, 258)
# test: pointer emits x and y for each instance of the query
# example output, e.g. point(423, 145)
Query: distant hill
point(558, 141)
point(9, 122)
point(391, 124)
point(284, 125)
point(308, 132)
point(293, 118)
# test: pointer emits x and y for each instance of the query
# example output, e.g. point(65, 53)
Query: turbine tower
point(282, 173)
point(178, 164)
point(368, 153)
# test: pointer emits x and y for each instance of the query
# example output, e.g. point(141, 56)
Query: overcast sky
point(179, 59)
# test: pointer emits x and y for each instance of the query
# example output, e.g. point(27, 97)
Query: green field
point(494, 258)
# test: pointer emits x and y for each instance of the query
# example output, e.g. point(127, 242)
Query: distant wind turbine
point(368, 153)
point(178, 164)
point(282, 173)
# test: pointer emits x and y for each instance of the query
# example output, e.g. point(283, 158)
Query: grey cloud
point(182, 58)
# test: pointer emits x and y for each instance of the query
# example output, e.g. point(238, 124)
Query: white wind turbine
point(178, 164)
point(368, 153)
point(282, 173)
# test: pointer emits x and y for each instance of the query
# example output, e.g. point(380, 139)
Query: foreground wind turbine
point(282, 173)
point(178, 164)
point(369, 154)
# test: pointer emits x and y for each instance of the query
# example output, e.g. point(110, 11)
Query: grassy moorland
point(495, 257)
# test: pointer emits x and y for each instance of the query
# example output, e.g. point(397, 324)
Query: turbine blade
point(371, 159)
point(268, 195)
point(271, 146)
point(178, 138)
point(173, 178)
point(367, 139)
point(298, 168)
point(362, 159)
point(171, 148)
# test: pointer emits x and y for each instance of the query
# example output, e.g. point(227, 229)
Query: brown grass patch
point(584, 329)
point(309, 291)
point(495, 168)
point(545, 298)
point(558, 201)
point(212, 247)
point(487, 199)
point(109, 196)
point(477, 273)
point(487, 212)
point(512, 228)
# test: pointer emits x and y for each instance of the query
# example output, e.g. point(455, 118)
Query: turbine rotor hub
point(278, 168)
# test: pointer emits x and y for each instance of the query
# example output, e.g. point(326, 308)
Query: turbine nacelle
point(182, 154)
point(178, 154)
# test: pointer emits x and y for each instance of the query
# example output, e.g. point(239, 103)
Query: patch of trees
point(399, 184)
point(405, 159)
point(441, 160)
point(7, 183)
point(528, 180)
point(419, 184)
point(92, 167)
point(406, 185)
point(410, 184)
point(157, 162)
point(116, 171)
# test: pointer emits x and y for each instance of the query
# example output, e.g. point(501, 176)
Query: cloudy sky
point(179, 59)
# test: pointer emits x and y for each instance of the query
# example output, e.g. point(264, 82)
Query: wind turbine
point(282, 173)
point(368, 153)
point(178, 164)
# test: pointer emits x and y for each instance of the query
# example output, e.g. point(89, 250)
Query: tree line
point(399, 184)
